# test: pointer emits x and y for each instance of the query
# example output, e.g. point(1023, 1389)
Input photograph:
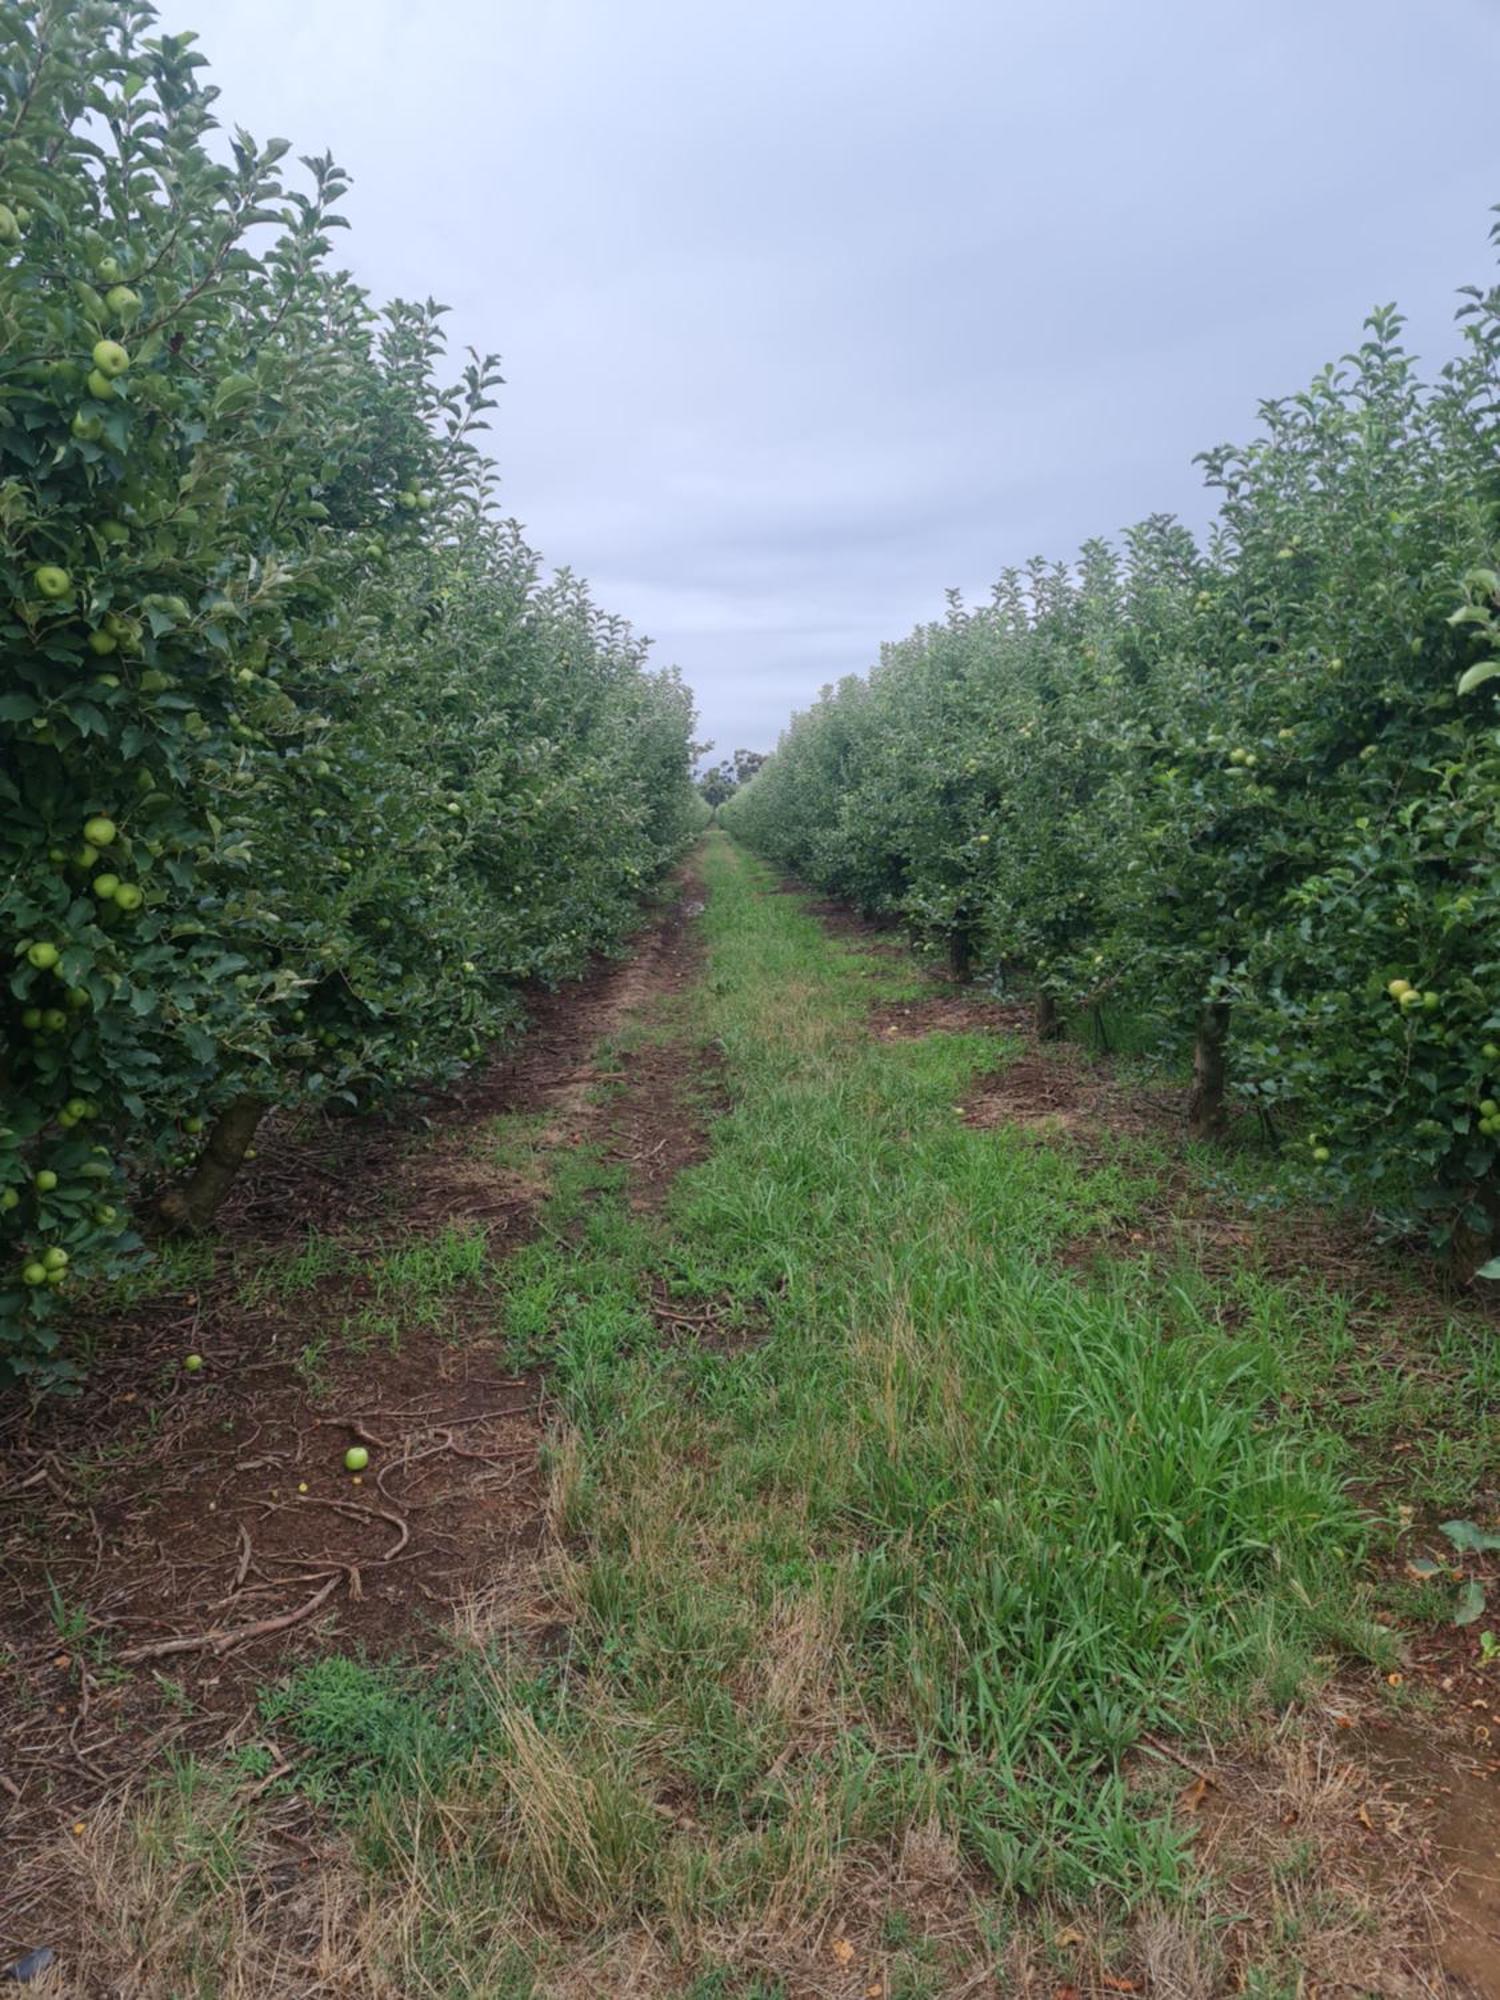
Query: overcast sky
point(812, 308)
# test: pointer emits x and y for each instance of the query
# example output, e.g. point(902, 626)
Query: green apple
point(356, 1458)
point(34, 1274)
point(52, 582)
point(129, 897)
point(110, 358)
point(100, 831)
point(43, 956)
point(105, 887)
point(45, 1181)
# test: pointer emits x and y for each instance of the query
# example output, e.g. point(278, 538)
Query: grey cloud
point(812, 308)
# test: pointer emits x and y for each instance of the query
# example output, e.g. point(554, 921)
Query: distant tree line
point(722, 781)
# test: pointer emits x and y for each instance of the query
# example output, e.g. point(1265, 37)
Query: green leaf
point(1470, 1603)
point(1478, 675)
point(1471, 1539)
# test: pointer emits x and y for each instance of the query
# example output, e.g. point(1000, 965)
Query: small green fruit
point(9, 1199)
point(192, 1125)
point(124, 304)
point(54, 1020)
point(45, 1181)
point(128, 897)
point(34, 1274)
point(100, 831)
point(55, 1259)
point(100, 385)
point(192, 1363)
point(105, 887)
point(87, 427)
point(42, 957)
point(103, 643)
point(1321, 1154)
point(356, 1458)
point(110, 358)
point(52, 582)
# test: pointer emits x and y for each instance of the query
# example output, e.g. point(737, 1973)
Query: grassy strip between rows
point(915, 1548)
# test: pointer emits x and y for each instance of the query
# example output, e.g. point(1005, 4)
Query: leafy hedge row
point(1250, 790)
point(304, 767)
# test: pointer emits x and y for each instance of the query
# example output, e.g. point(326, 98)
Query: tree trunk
point(961, 951)
point(1206, 1112)
point(191, 1208)
point(1049, 1025)
point(1471, 1248)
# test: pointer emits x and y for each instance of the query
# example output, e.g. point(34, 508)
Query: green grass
point(931, 1556)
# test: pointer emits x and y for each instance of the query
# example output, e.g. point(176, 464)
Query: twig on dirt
point(353, 1507)
point(220, 1643)
point(244, 1564)
point(700, 1319)
point(1166, 1751)
point(492, 1457)
point(357, 1430)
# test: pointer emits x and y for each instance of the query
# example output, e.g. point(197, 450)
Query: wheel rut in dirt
point(174, 1540)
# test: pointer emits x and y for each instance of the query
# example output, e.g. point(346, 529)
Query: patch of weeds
point(311, 1366)
point(416, 1284)
point(177, 1264)
point(361, 1727)
point(725, 1983)
point(284, 1276)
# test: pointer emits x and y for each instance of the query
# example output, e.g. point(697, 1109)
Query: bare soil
point(173, 1541)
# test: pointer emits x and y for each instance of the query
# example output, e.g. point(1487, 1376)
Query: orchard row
point(305, 770)
point(1247, 792)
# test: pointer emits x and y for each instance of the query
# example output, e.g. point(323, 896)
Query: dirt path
point(174, 1540)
